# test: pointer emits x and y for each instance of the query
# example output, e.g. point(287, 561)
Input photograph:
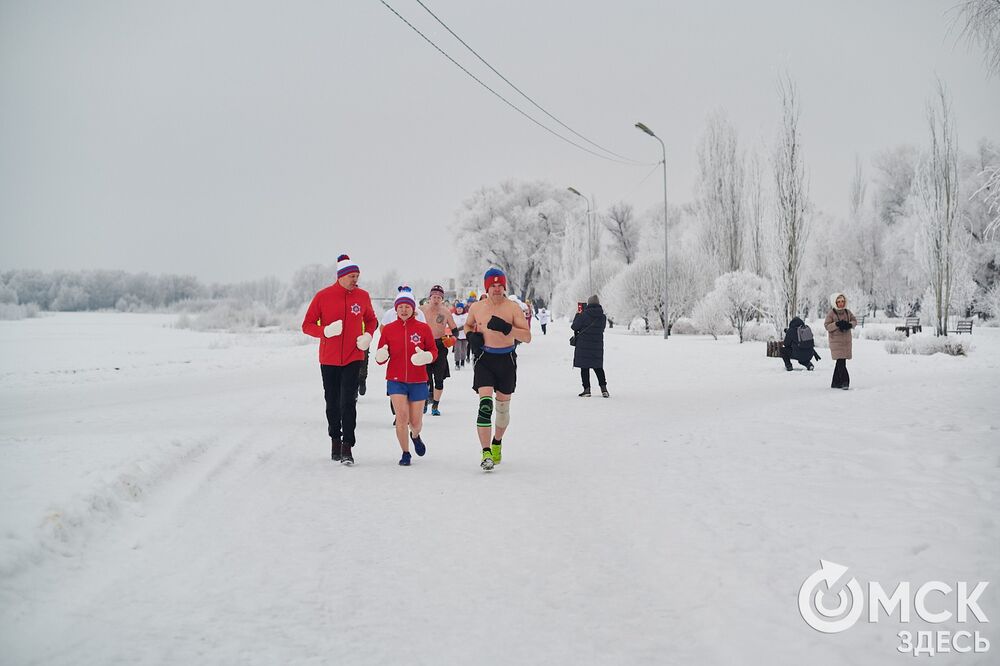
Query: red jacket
point(354, 308)
point(403, 338)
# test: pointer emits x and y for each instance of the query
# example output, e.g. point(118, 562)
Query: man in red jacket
point(343, 319)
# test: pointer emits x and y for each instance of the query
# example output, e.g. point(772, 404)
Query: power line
point(498, 95)
point(521, 92)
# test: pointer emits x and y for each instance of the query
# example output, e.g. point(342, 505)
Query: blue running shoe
point(405, 460)
point(418, 445)
point(435, 411)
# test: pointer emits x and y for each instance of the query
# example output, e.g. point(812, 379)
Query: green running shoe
point(495, 453)
point(487, 463)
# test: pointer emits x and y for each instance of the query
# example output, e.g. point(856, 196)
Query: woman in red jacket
point(402, 345)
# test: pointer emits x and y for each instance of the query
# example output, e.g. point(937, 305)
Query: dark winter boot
point(335, 449)
point(604, 392)
point(585, 394)
point(346, 457)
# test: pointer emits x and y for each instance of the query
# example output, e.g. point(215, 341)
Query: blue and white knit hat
point(405, 296)
point(345, 266)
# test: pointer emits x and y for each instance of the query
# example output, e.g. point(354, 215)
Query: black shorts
point(438, 371)
point(498, 371)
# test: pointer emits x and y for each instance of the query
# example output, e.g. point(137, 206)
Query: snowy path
point(672, 523)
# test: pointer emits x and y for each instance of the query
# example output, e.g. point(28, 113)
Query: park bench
point(964, 326)
point(912, 325)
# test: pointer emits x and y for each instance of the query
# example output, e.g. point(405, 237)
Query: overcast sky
point(235, 140)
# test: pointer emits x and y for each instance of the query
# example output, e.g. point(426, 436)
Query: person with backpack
point(839, 322)
point(588, 335)
point(798, 344)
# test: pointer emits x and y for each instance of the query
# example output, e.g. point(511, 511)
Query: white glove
point(382, 355)
point(421, 357)
point(364, 340)
point(334, 329)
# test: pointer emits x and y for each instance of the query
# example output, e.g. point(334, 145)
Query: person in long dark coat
point(589, 352)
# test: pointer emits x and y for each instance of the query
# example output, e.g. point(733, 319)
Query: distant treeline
point(74, 291)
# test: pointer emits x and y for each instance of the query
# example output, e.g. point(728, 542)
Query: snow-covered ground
point(168, 498)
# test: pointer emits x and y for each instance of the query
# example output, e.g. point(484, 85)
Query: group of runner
point(413, 345)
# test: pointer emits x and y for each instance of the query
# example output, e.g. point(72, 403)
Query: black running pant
point(340, 389)
point(585, 376)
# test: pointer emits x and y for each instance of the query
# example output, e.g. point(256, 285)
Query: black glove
point(842, 325)
point(497, 324)
point(454, 332)
point(476, 342)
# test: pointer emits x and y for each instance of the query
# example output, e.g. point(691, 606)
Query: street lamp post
point(666, 319)
point(590, 249)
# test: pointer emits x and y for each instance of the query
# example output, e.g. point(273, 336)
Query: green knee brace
point(485, 416)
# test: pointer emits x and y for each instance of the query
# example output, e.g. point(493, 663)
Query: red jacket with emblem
point(354, 308)
point(403, 338)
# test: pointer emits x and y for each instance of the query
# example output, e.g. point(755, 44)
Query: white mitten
point(334, 329)
point(364, 340)
point(382, 355)
point(421, 357)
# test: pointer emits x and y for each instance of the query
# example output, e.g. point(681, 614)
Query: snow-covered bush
point(233, 317)
point(878, 333)
point(13, 311)
point(758, 331)
point(711, 315)
point(684, 326)
point(926, 346)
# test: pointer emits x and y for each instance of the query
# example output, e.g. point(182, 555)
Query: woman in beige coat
point(838, 324)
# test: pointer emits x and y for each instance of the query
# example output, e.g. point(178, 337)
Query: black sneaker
point(405, 460)
point(605, 393)
point(362, 387)
point(335, 449)
point(346, 457)
point(585, 394)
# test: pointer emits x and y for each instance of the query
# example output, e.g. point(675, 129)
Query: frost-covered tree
point(980, 23)
point(623, 228)
point(756, 205)
point(791, 199)
point(517, 226)
point(738, 297)
point(937, 185)
point(721, 176)
point(306, 281)
point(893, 182)
point(632, 293)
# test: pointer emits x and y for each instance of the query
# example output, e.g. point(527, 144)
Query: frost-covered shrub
point(926, 346)
point(882, 334)
point(230, 317)
point(13, 312)
point(684, 326)
point(758, 331)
